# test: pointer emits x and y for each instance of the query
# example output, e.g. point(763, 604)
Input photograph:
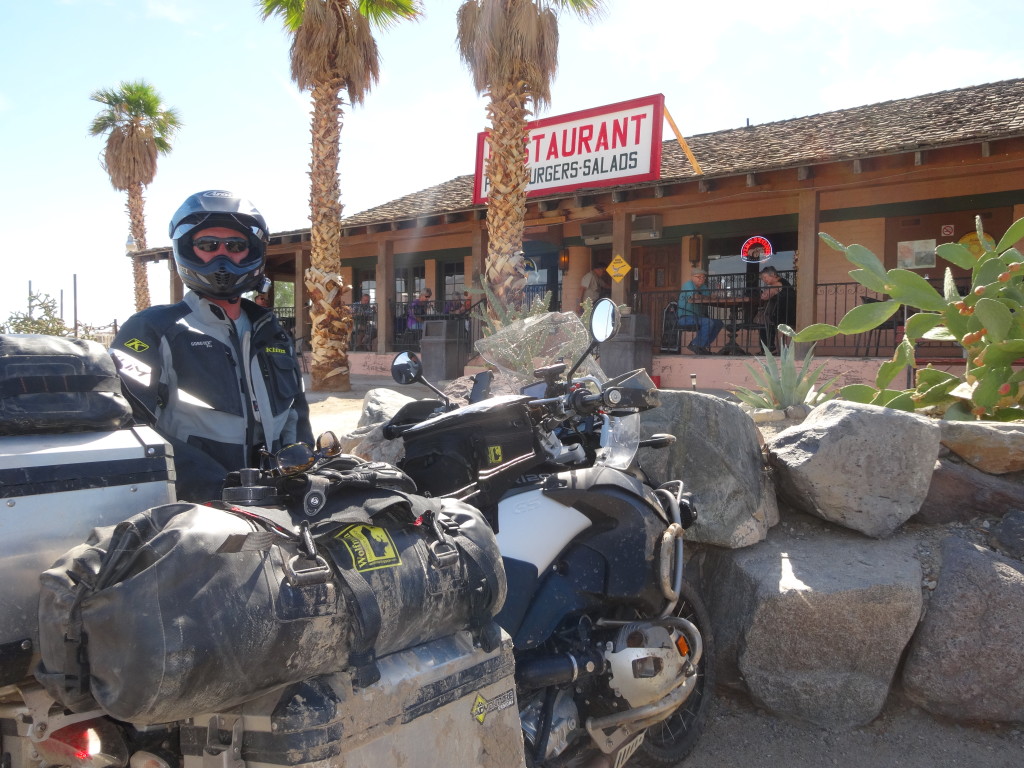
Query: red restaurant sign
point(600, 147)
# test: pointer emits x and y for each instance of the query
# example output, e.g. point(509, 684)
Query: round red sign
point(755, 250)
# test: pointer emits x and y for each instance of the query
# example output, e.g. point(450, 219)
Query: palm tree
point(511, 49)
point(139, 129)
point(333, 50)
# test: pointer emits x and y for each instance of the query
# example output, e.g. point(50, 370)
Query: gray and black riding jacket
point(192, 376)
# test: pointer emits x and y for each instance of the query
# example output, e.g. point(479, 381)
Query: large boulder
point(959, 492)
point(864, 467)
point(967, 660)
point(367, 439)
point(991, 446)
point(717, 455)
point(813, 621)
point(1008, 534)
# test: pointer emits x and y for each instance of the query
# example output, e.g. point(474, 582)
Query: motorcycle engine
point(644, 663)
point(565, 723)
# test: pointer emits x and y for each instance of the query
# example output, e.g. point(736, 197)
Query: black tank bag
point(185, 609)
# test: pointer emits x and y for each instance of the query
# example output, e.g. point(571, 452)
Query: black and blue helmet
point(219, 278)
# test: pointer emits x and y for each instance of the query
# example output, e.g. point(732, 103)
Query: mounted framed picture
point(915, 254)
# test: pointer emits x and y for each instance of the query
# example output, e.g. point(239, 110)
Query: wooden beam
point(543, 221)
point(751, 179)
point(858, 166)
point(683, 145)
point(986, 149)
point(919, 158)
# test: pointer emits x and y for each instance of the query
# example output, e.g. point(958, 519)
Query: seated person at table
point(364, 317)
point(693, 314)
point(778, 300)
point(416, 310)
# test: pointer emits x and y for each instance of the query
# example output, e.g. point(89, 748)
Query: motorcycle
point(613, 651)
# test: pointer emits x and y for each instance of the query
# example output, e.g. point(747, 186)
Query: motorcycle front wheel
point(674, 738)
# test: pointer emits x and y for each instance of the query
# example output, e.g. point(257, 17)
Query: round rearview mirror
point(604, 321)
point(406, 368)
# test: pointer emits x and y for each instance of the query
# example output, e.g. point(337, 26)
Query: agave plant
point(781, 385)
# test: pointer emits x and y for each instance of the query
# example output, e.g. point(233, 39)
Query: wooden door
point(659, 268)
point(658, 271)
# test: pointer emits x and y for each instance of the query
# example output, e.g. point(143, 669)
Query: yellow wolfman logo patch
point(371, 547)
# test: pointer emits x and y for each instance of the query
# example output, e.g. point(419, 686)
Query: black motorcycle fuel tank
point(474, 453)
point(611, 561)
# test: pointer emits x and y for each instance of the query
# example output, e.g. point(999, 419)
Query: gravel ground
point(739, 734)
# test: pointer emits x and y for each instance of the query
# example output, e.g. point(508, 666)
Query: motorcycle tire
point(674, 738)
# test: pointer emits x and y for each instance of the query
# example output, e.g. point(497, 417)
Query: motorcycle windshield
point(620, 438)
point(521, 347)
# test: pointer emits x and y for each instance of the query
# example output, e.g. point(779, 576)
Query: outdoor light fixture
point(130, 246)
point(563, 260)
point(694, 250)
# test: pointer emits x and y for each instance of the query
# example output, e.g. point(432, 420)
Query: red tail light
point(90, 744)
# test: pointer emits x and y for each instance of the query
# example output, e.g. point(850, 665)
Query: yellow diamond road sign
point(618, 269)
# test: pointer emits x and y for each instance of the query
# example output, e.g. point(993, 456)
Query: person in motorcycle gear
point(214, 374)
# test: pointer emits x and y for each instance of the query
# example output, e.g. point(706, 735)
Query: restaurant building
point(898, 177)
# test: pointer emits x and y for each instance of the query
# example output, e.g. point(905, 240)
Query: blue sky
point(246, 126)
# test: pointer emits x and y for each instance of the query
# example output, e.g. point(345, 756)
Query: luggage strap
point(480, 616)
point(361, 657)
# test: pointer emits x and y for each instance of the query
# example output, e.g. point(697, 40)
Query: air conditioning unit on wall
point(600, 232)
point(596, 232)
point(647, 227)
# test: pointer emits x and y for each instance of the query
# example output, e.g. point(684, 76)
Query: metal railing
point(834, 300)
point(743, 324)
point(408, 325)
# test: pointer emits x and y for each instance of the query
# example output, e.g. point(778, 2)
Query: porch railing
point(405, 337)
point(834, 300)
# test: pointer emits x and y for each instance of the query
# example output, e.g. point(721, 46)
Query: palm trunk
point(506, 199)
point(330, 319)
point(136, 217)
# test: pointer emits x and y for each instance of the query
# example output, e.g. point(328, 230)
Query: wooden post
point(385, 280)
point(807, 267)
point(622, 242)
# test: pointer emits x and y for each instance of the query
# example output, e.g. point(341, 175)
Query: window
point(409, 281)
point(366, 283)
point(454, 280)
